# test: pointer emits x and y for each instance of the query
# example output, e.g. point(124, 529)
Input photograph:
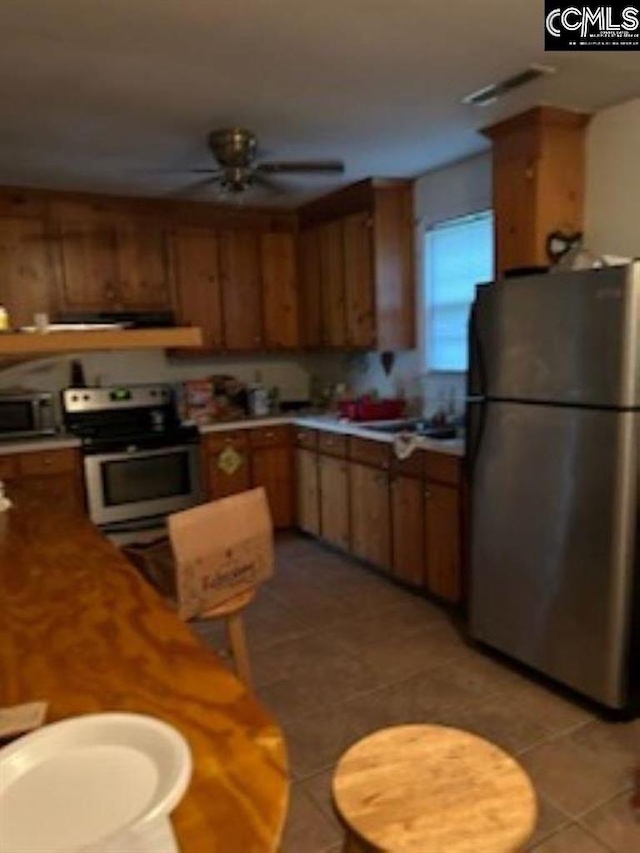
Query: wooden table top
point(80, 629)
point(426, 789)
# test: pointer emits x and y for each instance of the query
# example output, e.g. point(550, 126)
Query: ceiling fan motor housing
point(233, 148)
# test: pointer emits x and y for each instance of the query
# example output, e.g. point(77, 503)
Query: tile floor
point(339, 651)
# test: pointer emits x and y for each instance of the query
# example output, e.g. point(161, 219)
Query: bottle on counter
point(5, 325)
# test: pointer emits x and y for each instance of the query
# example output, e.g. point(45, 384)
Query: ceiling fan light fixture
point(490, 94)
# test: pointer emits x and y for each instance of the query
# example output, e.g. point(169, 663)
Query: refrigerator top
point(569, 338)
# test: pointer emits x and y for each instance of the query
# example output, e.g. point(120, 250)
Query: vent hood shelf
point(19, 344)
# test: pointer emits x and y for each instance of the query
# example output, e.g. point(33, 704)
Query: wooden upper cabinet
point(310, 288)
point(88, 266)
point(358, 280)
point(26, 272)
point(197, 277)
point(280, 290)
point(110, 260)
point(357, 248)
point(538, 182)
point(332, 293)
point(240, 255)
point(143, 265)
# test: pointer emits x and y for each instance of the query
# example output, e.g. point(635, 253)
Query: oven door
point(138, 484)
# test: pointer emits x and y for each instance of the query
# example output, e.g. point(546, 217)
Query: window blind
point(458, 255)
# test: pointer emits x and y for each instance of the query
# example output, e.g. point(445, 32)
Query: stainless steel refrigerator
point(554, 464)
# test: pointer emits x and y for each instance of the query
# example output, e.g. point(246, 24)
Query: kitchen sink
point(416, 427)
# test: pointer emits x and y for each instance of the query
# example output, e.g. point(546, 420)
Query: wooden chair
point(429, 789)
point(211, 562)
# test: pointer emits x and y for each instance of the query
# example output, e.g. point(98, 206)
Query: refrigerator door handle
point(477, 373)
point(475, 431)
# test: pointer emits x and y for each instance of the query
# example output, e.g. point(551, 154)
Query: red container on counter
point(369, 409)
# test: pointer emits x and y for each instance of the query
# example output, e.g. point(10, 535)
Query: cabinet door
point(241, 290)
point(370, 514)
point(143, 266)
point(228, 474)
point(334, 321)
point(272, 468)
point(442, 541)
point(514, 194)
point(198, 293)
point(308, 496)
point(26, 272)
point(89, 267)
point(279, 290)
point(359, 284)
point(407, 513)
point(334, 501)
point(310, 288)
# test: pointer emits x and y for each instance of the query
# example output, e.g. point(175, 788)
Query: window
point(458, 255)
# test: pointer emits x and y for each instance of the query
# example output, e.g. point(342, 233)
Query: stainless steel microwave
point(26, 414)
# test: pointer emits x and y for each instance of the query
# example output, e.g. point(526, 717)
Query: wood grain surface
point(80, 629)
point(428, 789)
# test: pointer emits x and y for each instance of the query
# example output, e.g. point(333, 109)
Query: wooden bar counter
point(80, 629)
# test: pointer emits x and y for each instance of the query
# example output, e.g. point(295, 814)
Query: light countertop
point(328, 423)
point(31, 445)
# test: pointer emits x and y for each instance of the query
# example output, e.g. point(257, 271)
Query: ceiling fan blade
point(193, 187)
point(259, 179)
point(320, 166)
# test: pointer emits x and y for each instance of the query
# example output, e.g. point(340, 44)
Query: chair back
point(221, 549)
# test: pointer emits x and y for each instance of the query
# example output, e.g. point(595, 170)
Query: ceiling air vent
point(487, 95)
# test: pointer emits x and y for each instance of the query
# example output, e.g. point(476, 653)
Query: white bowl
point(76, 783)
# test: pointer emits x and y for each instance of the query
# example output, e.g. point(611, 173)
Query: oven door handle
point(140, 453)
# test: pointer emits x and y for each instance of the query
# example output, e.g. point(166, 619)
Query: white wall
point(456, 190)
point(292, 376)
point(612, 215)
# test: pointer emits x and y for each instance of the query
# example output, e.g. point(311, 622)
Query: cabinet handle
point(428, 494)
point(269, 435)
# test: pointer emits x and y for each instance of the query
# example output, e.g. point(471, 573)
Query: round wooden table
point(429, 789)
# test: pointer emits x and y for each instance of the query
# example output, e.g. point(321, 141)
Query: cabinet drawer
point(48, 462)
point(332, 444)
point(217, 441)
point(442, 468)
point(275, 436)
point(412, 466)
point(9, 467)
point(375, 453)
point(307, 438)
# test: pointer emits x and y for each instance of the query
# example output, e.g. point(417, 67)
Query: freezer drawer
point(571, 338)
point(554, 529)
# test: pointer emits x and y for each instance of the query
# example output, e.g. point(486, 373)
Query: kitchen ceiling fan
point(235, 150)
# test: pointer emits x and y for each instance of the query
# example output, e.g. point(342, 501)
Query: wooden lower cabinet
point(226, 462)
point(238, 460)
point(443, 552)
point(55, 475)
point(407, 521)
point(308, 493)
point(271, 467)
point(370, 514)
point(408, 525)
point(334, 500)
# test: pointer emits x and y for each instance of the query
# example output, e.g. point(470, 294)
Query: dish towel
point(404, 444)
